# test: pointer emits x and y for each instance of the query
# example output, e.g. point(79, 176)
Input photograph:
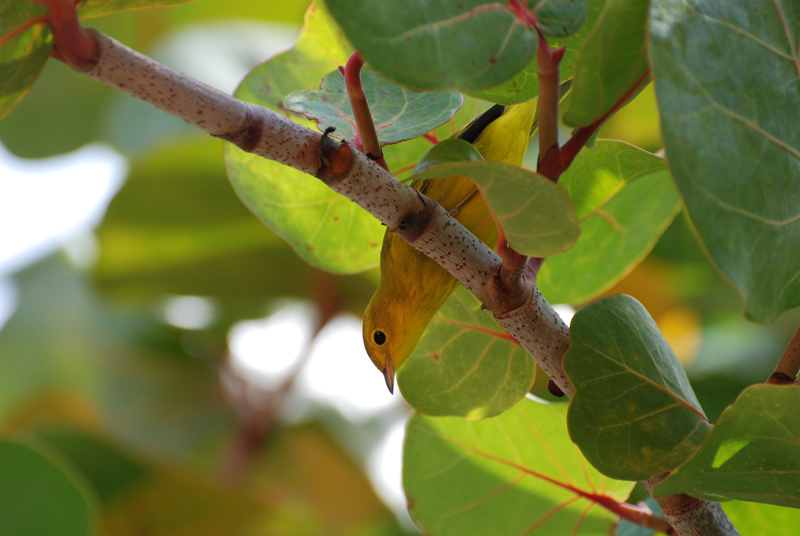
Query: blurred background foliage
point(147, 406)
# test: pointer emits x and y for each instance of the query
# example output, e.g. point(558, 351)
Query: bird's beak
point(388, 373)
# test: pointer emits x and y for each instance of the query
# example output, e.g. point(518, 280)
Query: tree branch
point(515, 302)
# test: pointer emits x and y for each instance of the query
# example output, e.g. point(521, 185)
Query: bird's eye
point(379, 337)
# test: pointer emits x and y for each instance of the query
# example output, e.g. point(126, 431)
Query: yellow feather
point(413, 287)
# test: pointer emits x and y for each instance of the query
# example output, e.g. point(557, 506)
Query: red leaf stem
point(73, 44)
point(431, 137)
point(358, 102)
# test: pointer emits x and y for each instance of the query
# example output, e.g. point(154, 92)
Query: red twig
point(788, 366)
point(520, 9)
point(358, 102)
point(639, 515)
point(583, 134)
point(74, 45)
point(548, 62)
point(431, 137)
point(25, 25)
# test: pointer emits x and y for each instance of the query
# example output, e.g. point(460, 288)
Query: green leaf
point(452, 150)
point(525, 85)
point(634, 414)
point(613, 60)
point(518, 473)
point(324, 228)
point(537, 215)
point(22, 58)
point(96, 8)
point(751, 455)
point(398, 113)
point(465, 364)
point(110, 472)
point(754, 518)
point(14, 15)
point(39, 495)
point(469, 45)
point(626, 201)
point(600, 173)
point(561, 17)
point(726, 73)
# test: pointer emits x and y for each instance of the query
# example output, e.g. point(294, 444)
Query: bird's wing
point(469, 133)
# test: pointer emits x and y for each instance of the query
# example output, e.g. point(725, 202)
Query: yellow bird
point(413, 287)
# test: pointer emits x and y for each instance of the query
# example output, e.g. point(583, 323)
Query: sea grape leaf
point(726, 73)
point(598, 174)
point(537, 215)
point(755, 518)
point(453, 150)
point(22, 58)
point(398, 113)
point(465, 364)
point(110, 471)
point(96, 8)
point(634, 414)
point(561, 17)
point(324, 228)
point(625, 200)
point(612, 64)
point(751, 455)
point(525, 85)
point(15, 15)
point(423, 44)
point(517, 473)
point(40, 494)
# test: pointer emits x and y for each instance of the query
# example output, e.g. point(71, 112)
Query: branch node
point(336, 158)
point(248, 137)
point(74, 45)
point(779, 378)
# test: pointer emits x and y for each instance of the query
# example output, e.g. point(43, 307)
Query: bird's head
point(389, 335)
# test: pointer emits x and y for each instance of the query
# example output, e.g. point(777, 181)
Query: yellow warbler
point(413, 287)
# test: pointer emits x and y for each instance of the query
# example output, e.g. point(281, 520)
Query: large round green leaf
point(326, 229)
point(39, 495)
point(398, 113)
point(634, 414)
point(525, 85)
point(626, 200)
point(517, 473)
point(537, 215)
point(611, 63)
point(726, 82)
point(465, 364)
point(111, 472)
point(752, 454)
point(468, 45)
